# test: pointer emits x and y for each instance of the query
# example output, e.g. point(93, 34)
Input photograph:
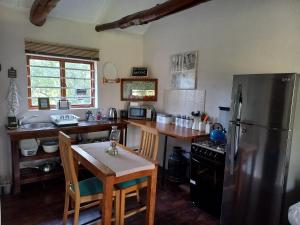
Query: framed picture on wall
point(63, 104)
point(43, 103)
point(183, 69)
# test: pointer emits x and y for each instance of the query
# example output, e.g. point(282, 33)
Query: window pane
point(45, 92)
point(44, 72)
point(78, 74)
point(47, 63)
point(78, 93)
point(80, 84)
point(81, 66)
point(80, 101)
point(44, 82)
point(53, 101)
point(79, 96)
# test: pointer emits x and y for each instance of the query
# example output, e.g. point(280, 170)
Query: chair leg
point(72, 203)
point(122, 206)
point(117, 208)
point(66, 209)
point(76, 212)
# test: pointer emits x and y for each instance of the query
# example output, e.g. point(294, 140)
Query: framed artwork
point(44, 103)
point(184, 70)
point(63, 104)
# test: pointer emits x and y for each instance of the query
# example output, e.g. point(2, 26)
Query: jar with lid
point(207, 128)
point(178, 120)
point(202, 125)
point(188, 122)
point(182, 122)
point(99, 115)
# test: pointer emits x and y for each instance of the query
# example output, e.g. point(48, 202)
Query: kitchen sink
point(102, 121)
point(36, 126)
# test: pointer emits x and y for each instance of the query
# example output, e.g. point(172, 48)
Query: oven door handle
point(195, 160)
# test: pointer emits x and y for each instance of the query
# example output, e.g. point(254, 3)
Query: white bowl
point(50, 147)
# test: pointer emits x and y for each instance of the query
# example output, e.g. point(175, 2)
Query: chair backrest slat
point(149, 142)
point(67, 159)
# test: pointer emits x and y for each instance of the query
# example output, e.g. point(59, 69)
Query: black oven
point(206, 178)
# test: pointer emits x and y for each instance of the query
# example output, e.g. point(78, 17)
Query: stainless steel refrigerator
point(262, 172)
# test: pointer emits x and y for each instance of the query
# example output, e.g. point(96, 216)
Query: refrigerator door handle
point(237, 104)
point(237, 137)
point(234, 145)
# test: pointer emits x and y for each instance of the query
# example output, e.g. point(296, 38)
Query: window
point(60, 78)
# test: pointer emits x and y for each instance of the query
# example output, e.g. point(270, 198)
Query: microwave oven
point(140, 112)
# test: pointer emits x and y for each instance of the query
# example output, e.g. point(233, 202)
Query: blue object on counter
point(218, 133)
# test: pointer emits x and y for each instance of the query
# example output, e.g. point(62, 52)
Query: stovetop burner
point(209, 144)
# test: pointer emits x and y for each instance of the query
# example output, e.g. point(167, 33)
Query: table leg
point(164, 159)
point(107, 200)
point(151, 197)
point(16, 167)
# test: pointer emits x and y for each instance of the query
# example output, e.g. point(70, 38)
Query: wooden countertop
point(82, 127)
point(169, 129)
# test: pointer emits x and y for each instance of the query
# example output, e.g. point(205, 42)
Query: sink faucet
point(23, 120)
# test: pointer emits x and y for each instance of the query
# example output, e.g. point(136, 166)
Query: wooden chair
point(148, 149)
point(88, 192)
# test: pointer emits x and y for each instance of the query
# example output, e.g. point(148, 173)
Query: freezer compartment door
point(265, 100)
point(254, 176)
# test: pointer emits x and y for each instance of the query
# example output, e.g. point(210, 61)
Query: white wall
point(232, 37)
point(123, 49)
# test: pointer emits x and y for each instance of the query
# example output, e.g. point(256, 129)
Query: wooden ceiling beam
point(155, 13)
point(40, 9)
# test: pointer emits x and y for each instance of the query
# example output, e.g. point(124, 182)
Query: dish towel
point(13, 99)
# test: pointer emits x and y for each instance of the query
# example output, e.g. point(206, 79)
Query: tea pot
point(218, 133)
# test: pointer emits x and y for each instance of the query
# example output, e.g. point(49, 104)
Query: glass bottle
point(114, 138)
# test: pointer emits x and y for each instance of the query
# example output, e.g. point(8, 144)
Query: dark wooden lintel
point(40, 10)
point(143, 17)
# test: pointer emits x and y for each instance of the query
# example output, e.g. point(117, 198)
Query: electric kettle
point(112, 113)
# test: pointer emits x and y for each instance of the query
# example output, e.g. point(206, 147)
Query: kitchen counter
point(24, 176)
point(169, 129)
point(82, 127)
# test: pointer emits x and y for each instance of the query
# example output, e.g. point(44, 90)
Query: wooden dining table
point(111, 170)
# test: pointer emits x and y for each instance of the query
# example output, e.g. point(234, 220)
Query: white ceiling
point(91, 11)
